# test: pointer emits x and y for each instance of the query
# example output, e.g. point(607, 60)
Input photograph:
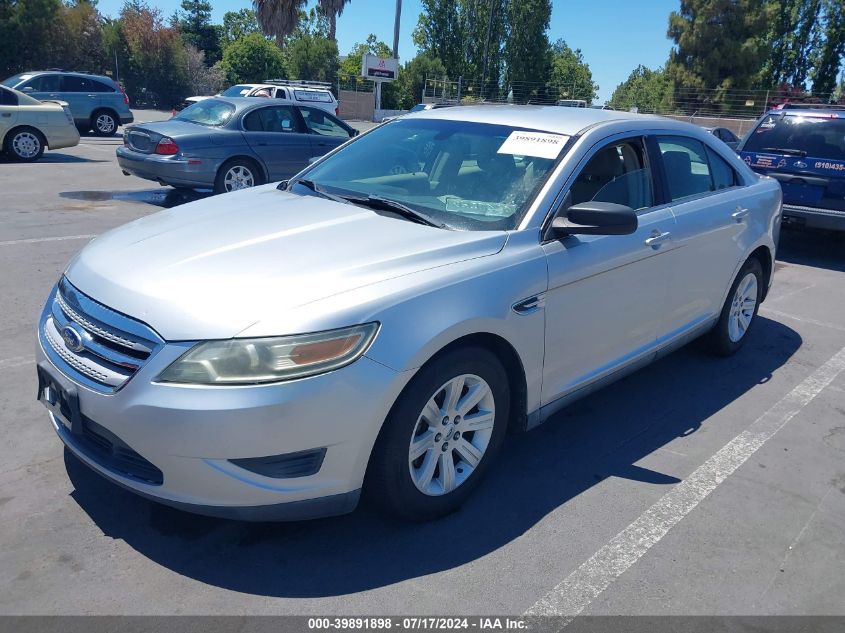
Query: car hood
point(212, 268)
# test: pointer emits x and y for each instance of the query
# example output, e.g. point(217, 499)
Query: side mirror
point(27, 89)
point(595, 218)
point(355, 132)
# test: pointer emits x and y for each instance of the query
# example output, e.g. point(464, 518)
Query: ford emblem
point(72, 338)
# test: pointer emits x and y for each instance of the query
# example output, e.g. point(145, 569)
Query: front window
point(464, 175)
point(236, 91)
point(816, 136)
point(207, 112)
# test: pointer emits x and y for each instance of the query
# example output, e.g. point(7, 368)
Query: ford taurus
point(378, 322)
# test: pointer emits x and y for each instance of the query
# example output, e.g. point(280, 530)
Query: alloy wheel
point(238, 177)
point(26, 145)
point(451, 435)
point(742, 307)
point(105, 124)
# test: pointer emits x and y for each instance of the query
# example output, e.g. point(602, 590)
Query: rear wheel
point(441, 436)
point(237, 174)
point(104, 123)
point(740, 310)
point(25, 144)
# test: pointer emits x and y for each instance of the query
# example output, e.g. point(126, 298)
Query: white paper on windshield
point(537, 144)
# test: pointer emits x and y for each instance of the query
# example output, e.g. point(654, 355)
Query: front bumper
point(166, 170)
point(814, 217)
point(190, 434)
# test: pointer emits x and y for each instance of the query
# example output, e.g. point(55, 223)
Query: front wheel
point(441, 436)
point(740, 310)
point(25, 144)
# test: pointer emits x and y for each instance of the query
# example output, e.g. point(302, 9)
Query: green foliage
point(793, 36)
point(647, 90)
point(829, 56)
point(527, 61)
point(310, 53)
point(412, 78)
point(197, 29)
point(236, 24)
point(720, 45)
point(570, 77)
point(252, 58)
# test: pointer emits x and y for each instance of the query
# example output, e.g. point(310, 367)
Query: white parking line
point(35, 240)
point(585, 584)
point(16, 361)
point(786, 315)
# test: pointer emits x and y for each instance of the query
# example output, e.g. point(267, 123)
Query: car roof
point(59, 71)
point(552, 118)
point(821, 113)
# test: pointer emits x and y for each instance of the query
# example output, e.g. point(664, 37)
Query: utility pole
point(396, 29)
point(487, 46)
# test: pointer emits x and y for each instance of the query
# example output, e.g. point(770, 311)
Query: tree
point(829, 57)
point(236, 24)
point(202, 80)
point(278, 18)
point(570, 77)
point(439, 34)
point(412, 78)
point(645, 89)
point(197, 29)
point(527, 60)
point(793, 36)
point(720, 45)
point(252, 58)
point(310, 53)
point(332, 9)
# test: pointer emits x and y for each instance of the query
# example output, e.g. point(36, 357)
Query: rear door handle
point(657, 238)
point(740, 214)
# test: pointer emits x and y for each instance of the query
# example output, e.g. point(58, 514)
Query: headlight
point(250, 361)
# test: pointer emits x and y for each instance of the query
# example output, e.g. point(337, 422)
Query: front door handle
point(657, 238)
point(740, 214)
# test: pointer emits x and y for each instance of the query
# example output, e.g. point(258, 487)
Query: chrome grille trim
point(113, 346)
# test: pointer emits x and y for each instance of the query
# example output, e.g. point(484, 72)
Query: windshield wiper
point(313, 186)
point(377, 202)
point(786, 150)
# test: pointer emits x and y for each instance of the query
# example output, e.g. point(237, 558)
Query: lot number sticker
point(537, 144)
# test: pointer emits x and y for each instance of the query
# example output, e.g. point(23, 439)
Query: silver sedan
point(272, 353)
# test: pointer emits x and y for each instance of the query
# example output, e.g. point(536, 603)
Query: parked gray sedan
point(230, 143)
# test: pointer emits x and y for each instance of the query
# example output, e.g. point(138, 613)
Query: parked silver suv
point(96, 102)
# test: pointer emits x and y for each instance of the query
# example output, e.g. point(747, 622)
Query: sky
point(615, 36)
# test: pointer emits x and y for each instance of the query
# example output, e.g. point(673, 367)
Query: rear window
point(14, 80)
point(8, 98)
point(236, 91)
point(207, 112)
point(814, 136)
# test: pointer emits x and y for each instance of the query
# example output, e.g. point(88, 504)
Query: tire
point(238, 173)
point(25, 144)
point(736, 321)
point(390, 483)
point(104, 123)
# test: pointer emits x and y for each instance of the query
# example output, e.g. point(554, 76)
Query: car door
point(46, 86)
point(277, 135)
point(607, 293)
point(711, 214)
point(8, 111)
point(81, 96)
point(327, 132)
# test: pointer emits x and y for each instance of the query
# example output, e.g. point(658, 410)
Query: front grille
point(109, 451)
point(93, 344)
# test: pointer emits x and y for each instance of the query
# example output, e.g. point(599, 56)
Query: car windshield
point(464, 175)
point(236, 91)
point(815, 136)
point(207, 112)
point(14, 80)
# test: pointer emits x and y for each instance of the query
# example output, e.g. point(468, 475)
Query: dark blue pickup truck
point(803, 148)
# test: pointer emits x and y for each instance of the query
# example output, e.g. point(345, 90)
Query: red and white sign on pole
point(379, 68)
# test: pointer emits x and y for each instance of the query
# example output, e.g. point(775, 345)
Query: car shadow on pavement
point(52, 157)
point(166, 197)
point(809, 247)
point(601, 436)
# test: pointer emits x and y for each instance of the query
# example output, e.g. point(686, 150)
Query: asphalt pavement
point(699, 485)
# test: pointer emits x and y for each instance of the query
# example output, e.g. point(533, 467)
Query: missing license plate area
point(62, 403)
